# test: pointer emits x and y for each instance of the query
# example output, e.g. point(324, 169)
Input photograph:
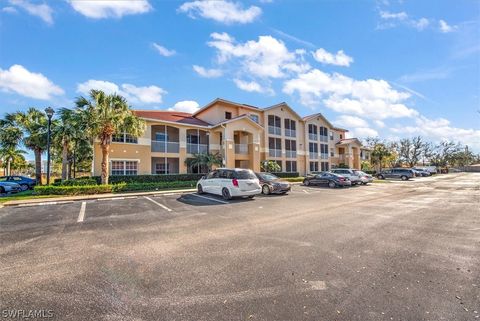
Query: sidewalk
point(63, 199)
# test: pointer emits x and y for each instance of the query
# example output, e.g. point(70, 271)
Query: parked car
point(327, 178)
point(430, 169)
point(364, 177)
point(346, 172)
point(24, 182)
point(229, 183)
point(401, 173)
point(272, 184)
point(421, 172)
point(9, 187)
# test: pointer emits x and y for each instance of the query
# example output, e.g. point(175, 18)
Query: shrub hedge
point(114, 179)
point(79, 182)
point(130, 187)
point(294, 179)
point(287, 174)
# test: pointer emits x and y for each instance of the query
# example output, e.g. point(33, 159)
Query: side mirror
point(203, 177)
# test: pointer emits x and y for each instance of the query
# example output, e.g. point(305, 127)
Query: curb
point(69, 199)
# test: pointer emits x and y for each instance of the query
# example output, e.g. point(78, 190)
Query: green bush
point(130, 187)
point(79, 182)
point(73, 190)
point(150, 178)
point(294, 179)
point(286, 174)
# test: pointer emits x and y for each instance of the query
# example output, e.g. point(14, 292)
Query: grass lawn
point(381, 181)
point(27, 195)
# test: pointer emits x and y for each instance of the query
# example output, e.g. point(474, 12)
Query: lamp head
point(49, 111)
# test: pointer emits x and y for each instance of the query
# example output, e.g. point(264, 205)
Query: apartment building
point(244, 135)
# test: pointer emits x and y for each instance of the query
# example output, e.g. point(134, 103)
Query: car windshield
point(245, 174)
point(267, 176)
point(359, 173)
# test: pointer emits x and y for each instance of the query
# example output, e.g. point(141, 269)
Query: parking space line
point(81, 215)
point(211, 199)
point(161, 205)
point(45, 203)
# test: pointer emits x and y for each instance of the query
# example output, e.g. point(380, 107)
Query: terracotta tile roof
point(171, 116)
point(348, 140)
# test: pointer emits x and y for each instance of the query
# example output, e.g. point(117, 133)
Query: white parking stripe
point(211, 199)
point(161, 205)
point(81, 215)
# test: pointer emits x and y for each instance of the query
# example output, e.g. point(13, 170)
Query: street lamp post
point(49, 111)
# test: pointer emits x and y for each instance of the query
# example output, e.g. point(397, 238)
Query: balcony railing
point(274, 130)
point(313, 155)
point(291, 153)
point(275, 152)
point(313, 137)
point(290, 132)
point(197, 148)
point(241, 149)
point(323, 138)
point(324, 155)
point(165, 147)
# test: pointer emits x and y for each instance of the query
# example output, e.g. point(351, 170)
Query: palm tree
point(204, 159)
point(108, 115)
point(10, 138)
point(66, 131)
point(33, 122)
point(11, 157)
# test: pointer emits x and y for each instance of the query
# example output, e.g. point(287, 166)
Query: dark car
point(272, 184)
point(421, 172)
point(401, 173)
point(327, 178)
point(24, 182)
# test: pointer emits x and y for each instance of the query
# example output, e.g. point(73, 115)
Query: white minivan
point(230, 182)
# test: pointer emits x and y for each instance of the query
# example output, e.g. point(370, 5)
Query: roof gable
point(170, 116)
point(282, 105)
point(217, 100)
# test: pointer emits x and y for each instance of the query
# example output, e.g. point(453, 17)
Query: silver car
point(364, 177)
point(9, 187)
point(349, 173)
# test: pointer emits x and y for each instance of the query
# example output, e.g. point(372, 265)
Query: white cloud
point(207, 73)
point(221, 10)
point(43, 11)
point(362, 132)
point(420, 24)
point(393, 19)
point(35, 85)
point(9, 10)
point(445, 27)
point(379, 123)
point(346, 121)
point(440, 129)
point(251, 86)
point(134, 94)
point(338, 59)
point(163, 51)
point(392, 15)
point(265, 58)
point(188, 106)
point(371, 98)
point(98, 9)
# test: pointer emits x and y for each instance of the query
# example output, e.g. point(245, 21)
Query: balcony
point(165, 147)
point(290, 132)
point(197, 148)
point(275, 130)
point(324, 155)
point(313, 137)
point(241, 149)
point(275, 152)
point(313, 155)
point(291, 153)
point(324, 138)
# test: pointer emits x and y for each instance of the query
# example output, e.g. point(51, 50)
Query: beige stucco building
point(244, 135)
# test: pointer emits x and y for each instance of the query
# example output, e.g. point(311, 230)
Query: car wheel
point(306, 182)
point(251, 196)
point(404, 178)
point(24, 187)
point(265, 189)
point(364, 183)
point(199, 189)
point(381, 177)
point(2, 190)
point(226, 194)
point(331, 184)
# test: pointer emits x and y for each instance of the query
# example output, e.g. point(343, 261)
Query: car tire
point(24, 187)
point(306, 182)
point(265, 189)
point(226, 194)
point(364, 183)
point(2, 190)
point(380, 177)
point(251, 196)
point(404, 178)
point(199, 189)
point(332, 184)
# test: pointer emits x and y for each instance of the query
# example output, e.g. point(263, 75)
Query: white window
point(124, 138)
point(124, 167)
point(254, 118)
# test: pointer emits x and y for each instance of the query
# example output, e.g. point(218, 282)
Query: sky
point(387, 68)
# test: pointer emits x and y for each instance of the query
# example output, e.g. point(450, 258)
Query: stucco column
point(254, 152)
point(182, 168)
point(229, 146)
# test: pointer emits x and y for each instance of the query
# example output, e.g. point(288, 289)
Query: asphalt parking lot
point(387, 251)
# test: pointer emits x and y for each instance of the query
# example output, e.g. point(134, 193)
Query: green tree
point(33, 123)
point(379, 153)
point(270, 166)
point(204, 159)
point(12, 158)
point(108, 115)
point(10, 138)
